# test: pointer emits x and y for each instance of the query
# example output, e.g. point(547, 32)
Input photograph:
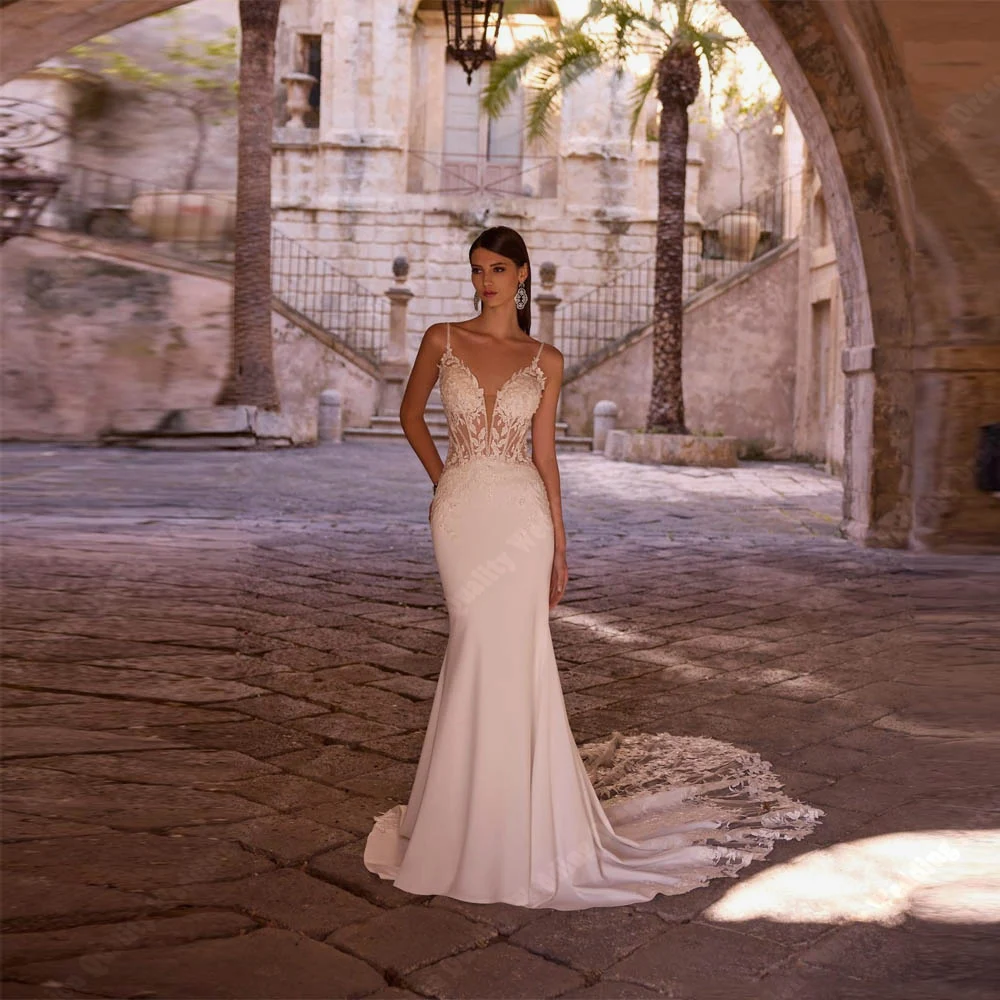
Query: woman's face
point(495, 278)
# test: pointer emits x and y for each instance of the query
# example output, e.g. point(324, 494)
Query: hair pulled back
point(508, 243)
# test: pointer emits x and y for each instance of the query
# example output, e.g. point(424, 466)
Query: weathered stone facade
point(86, 334)
point(739, 363)
point(900, 137)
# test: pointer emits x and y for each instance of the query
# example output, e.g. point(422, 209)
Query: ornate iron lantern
point(25, 190)
point(472, 27)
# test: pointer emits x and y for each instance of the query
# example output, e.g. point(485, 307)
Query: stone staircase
point(385, 427)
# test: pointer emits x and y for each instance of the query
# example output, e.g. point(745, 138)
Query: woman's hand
point(557, 583)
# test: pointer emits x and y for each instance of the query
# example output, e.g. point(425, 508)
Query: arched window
point(820, 220)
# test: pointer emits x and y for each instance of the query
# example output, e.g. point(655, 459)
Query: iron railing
point(311, 285)
point(200, 225)
point(623, 305)
point(500, 176)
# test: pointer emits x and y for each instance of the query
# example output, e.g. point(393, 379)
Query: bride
point(504, 807)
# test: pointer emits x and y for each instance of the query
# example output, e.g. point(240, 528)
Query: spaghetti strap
point(541, 348)
point(447, 339)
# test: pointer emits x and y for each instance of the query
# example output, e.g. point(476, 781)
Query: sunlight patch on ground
point(951, 876)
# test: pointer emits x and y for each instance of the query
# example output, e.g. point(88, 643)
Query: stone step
point(564, 442)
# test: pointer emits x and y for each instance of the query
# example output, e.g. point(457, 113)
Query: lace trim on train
point(685, 778)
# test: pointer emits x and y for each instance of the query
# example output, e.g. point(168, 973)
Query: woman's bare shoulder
point(435, 336)
point(550, 359)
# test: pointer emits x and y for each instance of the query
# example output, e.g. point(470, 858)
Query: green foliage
point(611, 33)
point(197, 75)
point(200, 76)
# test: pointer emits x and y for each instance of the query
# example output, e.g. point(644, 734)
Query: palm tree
point(251, 379)
point(678, 36)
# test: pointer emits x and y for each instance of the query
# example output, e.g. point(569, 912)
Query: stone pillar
point(329, 429)
point(605, 418)
point(546, 300)
point(396, 367)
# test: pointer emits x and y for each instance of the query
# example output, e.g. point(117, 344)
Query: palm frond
point(578, 54)
point(637, 101)
point(540, 112)
point(507, 71)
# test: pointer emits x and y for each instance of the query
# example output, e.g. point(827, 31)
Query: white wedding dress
point(503, 806)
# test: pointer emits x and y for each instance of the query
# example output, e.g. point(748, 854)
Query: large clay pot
point(739, 233)
point(185, 216)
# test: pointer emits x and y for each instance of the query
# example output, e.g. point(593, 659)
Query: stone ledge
point(672, 449)
point(206, 427)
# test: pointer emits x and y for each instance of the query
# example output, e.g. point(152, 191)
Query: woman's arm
point(543, 454)
point(543, 439)
point(423, 375)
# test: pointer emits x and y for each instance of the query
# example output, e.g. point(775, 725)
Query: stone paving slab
point(220, 668)
point(266, 964)
point(404, 939)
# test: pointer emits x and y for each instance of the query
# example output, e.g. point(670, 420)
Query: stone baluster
point(396, 367)
point(546, 300)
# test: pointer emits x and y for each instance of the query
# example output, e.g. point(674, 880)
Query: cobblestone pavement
point(220, 666)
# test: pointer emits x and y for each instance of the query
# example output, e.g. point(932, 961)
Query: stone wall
point(85, 334)
point(436, 242)
point(739, 363)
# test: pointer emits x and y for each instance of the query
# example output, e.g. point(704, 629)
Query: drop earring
point(521, 298)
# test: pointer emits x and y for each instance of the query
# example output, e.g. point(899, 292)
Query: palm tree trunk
point(677, 86)
point(251, 380)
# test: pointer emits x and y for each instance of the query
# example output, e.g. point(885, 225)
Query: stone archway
point(36, 30)
point(799, 43)
point(900, 106)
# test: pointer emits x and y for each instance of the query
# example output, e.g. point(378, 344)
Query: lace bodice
point(478, 431)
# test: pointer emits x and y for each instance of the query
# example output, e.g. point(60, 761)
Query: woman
point(502, 807)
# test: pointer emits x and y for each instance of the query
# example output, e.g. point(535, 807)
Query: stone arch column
point(867, 203)
point(32, 33)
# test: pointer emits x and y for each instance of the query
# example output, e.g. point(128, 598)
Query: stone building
point(395, 157)
point(899, 105)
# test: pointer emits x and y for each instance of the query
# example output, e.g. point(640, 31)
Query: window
point(311, 62)
point(821, 222)
point(479, 154)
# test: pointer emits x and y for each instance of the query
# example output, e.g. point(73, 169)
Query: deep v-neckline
point(533, 363)
point(488, 413)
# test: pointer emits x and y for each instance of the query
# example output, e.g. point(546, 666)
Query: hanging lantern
point(472, 27)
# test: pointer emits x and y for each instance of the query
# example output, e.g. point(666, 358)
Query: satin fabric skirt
point(502, 807)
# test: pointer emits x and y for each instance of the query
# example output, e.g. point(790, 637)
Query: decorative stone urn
point(299, 86)
point(672, 449)
point(739, 233)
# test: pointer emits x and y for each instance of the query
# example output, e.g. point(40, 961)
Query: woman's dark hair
point(507, 243)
